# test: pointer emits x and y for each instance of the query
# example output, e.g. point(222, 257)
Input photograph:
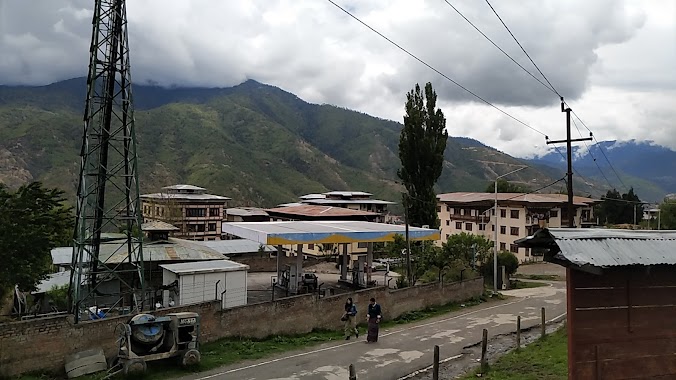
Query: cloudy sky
point(614, 61)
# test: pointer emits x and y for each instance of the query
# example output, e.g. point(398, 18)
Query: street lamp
point(495, 230)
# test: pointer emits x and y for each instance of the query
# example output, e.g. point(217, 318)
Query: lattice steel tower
point(108, 190)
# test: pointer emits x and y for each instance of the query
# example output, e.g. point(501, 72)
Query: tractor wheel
point(134, 366)
point(190, 358)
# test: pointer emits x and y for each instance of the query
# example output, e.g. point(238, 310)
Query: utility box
point(201, 281)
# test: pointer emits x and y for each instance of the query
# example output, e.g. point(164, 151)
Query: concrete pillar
point(343, 268)
point(369, 262)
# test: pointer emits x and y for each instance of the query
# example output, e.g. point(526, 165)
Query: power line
point(522, 49)
point(499, 48)
point(592, 155)
point(555, 91)
point(447, 77)
point(602, 152)
point(539, 189)
point(435, 70)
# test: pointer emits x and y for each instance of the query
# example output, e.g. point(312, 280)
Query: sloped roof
point(236, 246)
point(489, 198)
point(157, 225)
point(605, 247)
point(319, 211)
point(205, 267)
point(246, 211)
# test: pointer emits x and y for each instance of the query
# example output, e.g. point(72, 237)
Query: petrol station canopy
point(319, 232)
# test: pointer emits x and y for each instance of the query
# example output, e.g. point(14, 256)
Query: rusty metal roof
point(606, 247)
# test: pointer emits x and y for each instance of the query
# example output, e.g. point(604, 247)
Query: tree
point(505, 186)
point(619, 208)
point(668, 215)
point(33, 220)
point(435, 257)
point(467, 250)
point(506, 259)
point(421, 150)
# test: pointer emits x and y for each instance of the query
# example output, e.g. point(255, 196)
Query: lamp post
point(495, 230)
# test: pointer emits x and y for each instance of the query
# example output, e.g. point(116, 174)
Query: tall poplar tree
point(421, 151)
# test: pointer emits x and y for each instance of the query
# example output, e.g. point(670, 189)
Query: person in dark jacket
point(350, 318)
point(373, 317)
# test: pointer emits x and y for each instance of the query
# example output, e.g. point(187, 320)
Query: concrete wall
point(40, 345)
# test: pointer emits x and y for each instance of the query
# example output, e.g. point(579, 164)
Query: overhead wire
point(442, 74)
point(499, 48)
point(560, 96)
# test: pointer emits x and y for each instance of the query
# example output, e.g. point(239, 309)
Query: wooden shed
point(621, 295)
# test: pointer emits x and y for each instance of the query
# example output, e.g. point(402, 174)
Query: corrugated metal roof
point(156, 225)
point(205, 267)
point(246, 211)
point(184, 196)
point(55, 279)
point(347, 201)
point(607, 247)
point(237, 246)
point(183, 187)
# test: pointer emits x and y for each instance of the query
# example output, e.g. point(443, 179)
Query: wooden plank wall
point(622, 324)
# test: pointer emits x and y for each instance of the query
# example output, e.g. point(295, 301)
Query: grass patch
point(520, 284)
point(545, 359)
point(229, 351)
point(542, 277)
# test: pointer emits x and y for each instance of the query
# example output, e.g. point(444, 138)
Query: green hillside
point(254, 143)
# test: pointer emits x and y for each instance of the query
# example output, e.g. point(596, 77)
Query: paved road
point(402, 350)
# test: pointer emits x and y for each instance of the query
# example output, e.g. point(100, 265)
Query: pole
point(353, 372)
point(484, 344)
point(495, 243)
point(543, 324)
point(409, 271)
point(518, 332)
point(659, 218)
point(435, 371)
point(634, 213)
point(569, 158)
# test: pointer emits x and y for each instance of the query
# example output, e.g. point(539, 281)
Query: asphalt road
point(405, 349)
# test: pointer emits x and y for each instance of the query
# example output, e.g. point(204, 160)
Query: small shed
point(194, 282)
point(621, 300)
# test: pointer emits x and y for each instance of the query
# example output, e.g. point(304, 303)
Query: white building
point(519, 215)
point(203, 281)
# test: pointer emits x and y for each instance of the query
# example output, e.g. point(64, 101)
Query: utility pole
point(569, 158)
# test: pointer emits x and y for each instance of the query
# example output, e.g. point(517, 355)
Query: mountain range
point(255, 143)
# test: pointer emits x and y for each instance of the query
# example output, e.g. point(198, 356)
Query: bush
point(506, 259)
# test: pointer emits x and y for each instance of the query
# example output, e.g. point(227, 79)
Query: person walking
point(350, 319)
point(373, 317)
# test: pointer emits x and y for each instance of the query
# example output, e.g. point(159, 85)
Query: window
point(448, 209)
point(503, 213)
point(456, 211)
point(311, 246)
point(211, 239)
point(503, 246)
point(554, 213)
point(514, 214)
point(447, 236)
point(514, 231)
point(438, 208)
point(195, 212)
point(157, 211)
point(214, 212)
point(162, 211)
point(200, 228)
point(482, 227)
point(514, 248)
point(468, 226)
point(448, 222)
point(493, 228)
point(212, 226)
point(362, 245)
point(503, 230)
point(527, 252)
point(458, 225)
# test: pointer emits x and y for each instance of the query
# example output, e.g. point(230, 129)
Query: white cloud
point(613, 60)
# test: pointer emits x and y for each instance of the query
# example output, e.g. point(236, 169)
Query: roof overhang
point(319, 232)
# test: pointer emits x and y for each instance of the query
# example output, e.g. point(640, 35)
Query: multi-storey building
point(354, 200)
point(519, 215)
point(196, 214)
